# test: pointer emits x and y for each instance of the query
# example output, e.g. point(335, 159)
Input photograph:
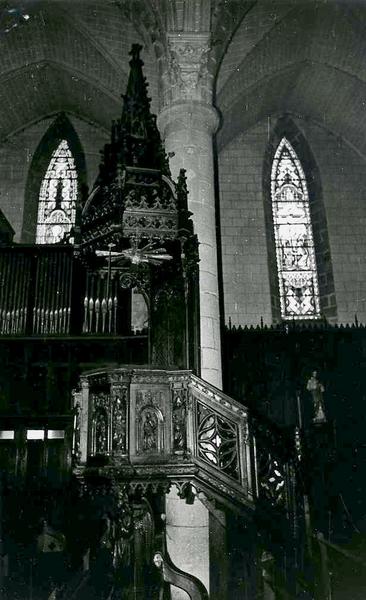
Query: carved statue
point(179, 420)
point(150, 432)
point(100, 432)
point(117, 542)
point(122, 531)
point(178, 434)
point(317, 390)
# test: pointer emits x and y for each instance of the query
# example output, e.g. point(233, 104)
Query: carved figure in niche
point(150, 432)
point(178, 434)
point(101, 428)
point(317, 390)
point(179, 415)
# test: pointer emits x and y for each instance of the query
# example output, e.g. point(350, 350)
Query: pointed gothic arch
point(56, 178)
point(57, 197)
point(300, 268)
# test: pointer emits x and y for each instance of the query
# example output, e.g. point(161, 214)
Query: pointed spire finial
point(135, 138)
point(135, 53)
point(141, 143)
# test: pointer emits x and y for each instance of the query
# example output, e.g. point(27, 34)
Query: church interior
point(182, 299)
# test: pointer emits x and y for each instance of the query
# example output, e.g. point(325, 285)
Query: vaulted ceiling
point(303, 58)
point(66, 55)
point(269, 57)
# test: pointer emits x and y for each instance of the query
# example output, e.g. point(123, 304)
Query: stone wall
point(247, 290)
point(244, 246)
point(343, 174)
point(16, 155)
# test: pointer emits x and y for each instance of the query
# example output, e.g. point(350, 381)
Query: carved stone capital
point(189, 49)
point(187, 75)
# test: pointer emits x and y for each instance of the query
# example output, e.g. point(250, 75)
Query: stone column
point(187, 124)
point(187, 539)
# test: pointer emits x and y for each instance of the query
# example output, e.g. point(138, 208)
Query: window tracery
point(57, 197)
point(295, 252)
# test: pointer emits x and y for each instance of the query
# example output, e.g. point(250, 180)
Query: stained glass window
point(57, 197)
point(297, 274)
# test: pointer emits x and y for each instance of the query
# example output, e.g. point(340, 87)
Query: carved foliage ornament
point(119, 423)
point(189, 76)
point(271, 479)
point(100, 402)
point(179, 419)
point(109, 425)
point(76, 452)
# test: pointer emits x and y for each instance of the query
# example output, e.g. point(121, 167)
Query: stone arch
point(60, 129)
point(286, 127)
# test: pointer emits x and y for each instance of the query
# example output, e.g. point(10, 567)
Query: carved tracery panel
point(217, 439)
point(179, 419)
point(271, 478)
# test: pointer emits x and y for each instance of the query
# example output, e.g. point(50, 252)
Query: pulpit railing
point(278, 481)
point(221, 443)
point(173, 424)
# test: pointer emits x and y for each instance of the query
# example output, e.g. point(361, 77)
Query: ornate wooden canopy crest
point(134, 203)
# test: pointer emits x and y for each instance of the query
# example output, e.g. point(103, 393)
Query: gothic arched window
point(57, 197)
point(295, 252)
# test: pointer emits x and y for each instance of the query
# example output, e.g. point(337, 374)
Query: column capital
point(190, 49)
point(192, 114)
point(187, 74)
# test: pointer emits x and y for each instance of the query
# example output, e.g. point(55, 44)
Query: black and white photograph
point(182, 299)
